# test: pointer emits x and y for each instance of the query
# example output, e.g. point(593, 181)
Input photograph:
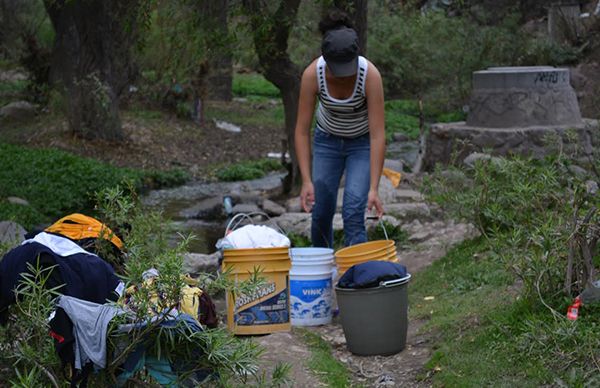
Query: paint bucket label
point(265, 306)
point(310, 299)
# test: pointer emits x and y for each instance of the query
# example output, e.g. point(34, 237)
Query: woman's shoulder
point(313, 64)
point(311, 69)
point(372, 70)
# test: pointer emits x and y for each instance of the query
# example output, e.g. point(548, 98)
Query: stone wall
point(453, 142)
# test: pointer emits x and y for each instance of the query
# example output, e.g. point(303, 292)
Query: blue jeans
point(332, 155)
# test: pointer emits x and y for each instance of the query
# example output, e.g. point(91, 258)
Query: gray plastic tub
point(375, 320)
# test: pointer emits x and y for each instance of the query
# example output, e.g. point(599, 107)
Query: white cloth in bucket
point(253, 236)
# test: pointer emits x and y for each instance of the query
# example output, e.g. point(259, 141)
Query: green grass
point(330, 371)
point(486, 335)
point(402, 116)
point(56, 183)
point(253, 84)
point(248, 170)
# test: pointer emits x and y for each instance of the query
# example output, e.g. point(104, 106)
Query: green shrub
point(433, 55)
point(26, 216)
point(56, 183)
point(526, 209)
point(391, 232)
point(298, 240)
point(248, 170)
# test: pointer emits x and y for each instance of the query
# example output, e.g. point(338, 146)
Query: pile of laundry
point(97, 320)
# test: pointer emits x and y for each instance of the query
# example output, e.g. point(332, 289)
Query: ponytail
point(335, 19)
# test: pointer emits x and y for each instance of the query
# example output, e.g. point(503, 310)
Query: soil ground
point(156, 140)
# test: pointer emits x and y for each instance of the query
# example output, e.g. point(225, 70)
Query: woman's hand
point(307, 196)
point(373, 201)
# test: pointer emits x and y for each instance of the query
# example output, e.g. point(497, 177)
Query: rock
point(404, 195)
point(207, 209)
point(195, 263)
point(579, 172)
point(386, 218)
point(298, 223)
point(470, 160)
point(420, 236)
point(385, 380)
point(591, 187)
point(409, 211)
point(246, 208)
point(12, 76)
point(293, 205)
point(18, 110)
point(395, 165)
point(386, 191)
point(272, 208)
point(17, 201)
point(400, 137)
point(11, 233)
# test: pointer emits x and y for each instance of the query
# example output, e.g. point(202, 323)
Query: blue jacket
point(85, 276)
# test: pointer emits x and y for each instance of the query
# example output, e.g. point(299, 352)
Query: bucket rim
point(311, 251)
point(379, 246)
point(244, 252)
point(380, 256)
point(382, 285)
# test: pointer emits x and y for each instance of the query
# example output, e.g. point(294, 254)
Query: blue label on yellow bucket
point(270, 311)
point(310, 299)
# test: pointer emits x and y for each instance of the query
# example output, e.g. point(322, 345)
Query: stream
point(180, 204)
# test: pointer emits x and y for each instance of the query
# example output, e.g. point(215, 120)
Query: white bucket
point(310, 286)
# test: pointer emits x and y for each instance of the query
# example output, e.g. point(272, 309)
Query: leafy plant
point(227, 359)
point(432, 55)
point(525, 208)
point(55, 182)
point(391, 232)
point(299, 241)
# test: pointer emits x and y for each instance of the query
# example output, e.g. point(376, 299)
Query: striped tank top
point(348, 117)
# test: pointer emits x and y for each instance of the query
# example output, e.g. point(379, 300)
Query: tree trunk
point(270, 33)
point(357, 10)
point(220, 65)
point(91, 59)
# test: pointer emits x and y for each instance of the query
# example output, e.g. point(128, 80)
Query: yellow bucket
point(382, 250)
point(267, 310)
point(383, 255)
point(365, 249)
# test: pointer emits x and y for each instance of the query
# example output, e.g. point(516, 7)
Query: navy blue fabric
point(371, 273)
point(85, 276)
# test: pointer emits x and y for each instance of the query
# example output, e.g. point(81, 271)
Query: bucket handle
point(380, 223)
point(241, 216)
point(395, 282)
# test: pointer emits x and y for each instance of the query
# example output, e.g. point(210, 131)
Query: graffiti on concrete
point(549, 77)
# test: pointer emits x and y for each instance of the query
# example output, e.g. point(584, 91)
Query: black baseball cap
point(340, 51)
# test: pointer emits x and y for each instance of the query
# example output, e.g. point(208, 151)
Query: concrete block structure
point(530, 111)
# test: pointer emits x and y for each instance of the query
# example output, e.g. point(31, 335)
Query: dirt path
point(289, 348)
point(404, 369)
point(399, 370)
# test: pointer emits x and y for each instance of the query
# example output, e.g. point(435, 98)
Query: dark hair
point(335, 19)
